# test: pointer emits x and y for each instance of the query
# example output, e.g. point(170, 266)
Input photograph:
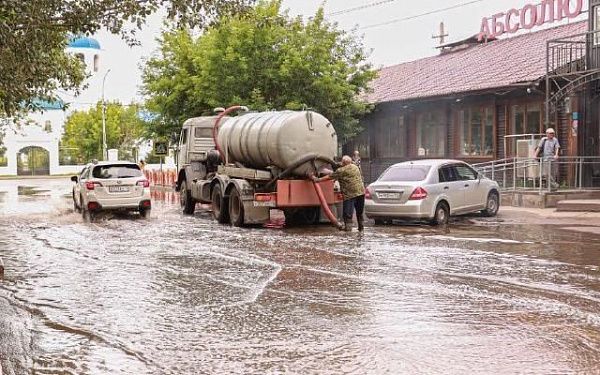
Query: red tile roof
point(496, 64)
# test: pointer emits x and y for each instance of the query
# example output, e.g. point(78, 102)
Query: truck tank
point(260, 140)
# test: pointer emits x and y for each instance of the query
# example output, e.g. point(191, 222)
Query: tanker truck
point(244, 166)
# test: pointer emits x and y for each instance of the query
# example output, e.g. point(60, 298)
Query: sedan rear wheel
point(442, 214)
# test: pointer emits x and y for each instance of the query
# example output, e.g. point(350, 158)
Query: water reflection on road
point(182, 295)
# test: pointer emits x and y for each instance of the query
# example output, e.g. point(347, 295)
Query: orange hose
point(325, 206)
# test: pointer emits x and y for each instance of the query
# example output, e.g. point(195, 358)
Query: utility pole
point(104, 146)
point(443, 34)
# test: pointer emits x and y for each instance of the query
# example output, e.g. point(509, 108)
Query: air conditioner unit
point(527, 167)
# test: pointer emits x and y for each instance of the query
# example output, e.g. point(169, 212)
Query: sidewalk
point(586, 222)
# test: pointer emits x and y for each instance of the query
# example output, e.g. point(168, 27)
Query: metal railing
point(544, 174)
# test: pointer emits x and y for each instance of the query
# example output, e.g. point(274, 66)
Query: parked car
point(113, 185)
point(431, 190)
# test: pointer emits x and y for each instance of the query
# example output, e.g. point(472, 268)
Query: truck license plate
point(388, 195)
point(118, 189)
point(264, 204)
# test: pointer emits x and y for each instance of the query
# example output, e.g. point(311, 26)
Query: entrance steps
point(581, 205)
point(537, 199)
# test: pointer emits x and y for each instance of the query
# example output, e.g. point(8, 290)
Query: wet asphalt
point(183, 295)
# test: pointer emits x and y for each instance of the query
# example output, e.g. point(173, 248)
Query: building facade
point(32, 145)
point(483, 99)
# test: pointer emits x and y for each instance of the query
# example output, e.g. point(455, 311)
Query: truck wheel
point(219, 206)
point(236, 208)
point(185, 199)
point(302, 216)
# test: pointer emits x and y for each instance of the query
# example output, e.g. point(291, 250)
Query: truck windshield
point(203, 133)
point(117, 171)
point(406, 173)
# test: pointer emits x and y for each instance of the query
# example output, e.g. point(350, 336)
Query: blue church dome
point(46, 105)
point(84, 42)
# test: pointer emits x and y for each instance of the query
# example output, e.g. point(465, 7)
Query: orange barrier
point(164, 178)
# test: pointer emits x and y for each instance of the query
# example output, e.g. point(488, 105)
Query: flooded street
point(183, 295)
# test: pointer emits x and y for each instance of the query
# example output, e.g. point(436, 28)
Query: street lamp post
point(104, 146)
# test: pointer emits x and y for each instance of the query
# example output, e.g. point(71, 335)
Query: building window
point(527, 119)
point(80, 57)
point(476, 129)
point(596, 15)
point(3, 158)
point(390, 137)
point(96, 63)
point(431, 134)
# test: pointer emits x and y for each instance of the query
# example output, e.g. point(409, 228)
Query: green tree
point(83, 131)
point(33, 35)
point(264, 59)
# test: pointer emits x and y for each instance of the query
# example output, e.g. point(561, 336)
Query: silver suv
point(430, 190)
point(119, 185)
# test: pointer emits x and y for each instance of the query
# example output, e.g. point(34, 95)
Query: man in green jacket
point(353, 189)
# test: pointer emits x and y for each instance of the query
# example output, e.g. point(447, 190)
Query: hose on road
point(332, 218)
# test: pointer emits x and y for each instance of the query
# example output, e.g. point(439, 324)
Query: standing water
point(183, 295)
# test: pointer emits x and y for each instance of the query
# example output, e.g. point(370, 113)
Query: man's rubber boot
point(361, 223)
point(348, 226)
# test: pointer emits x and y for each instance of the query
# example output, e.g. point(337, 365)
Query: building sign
point(526, 18)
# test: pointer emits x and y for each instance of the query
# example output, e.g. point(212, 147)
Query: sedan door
point(452, 187)
point(474, 194)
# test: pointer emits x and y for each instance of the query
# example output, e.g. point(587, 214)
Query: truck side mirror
point(74, 178)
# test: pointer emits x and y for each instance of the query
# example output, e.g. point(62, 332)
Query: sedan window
point(117, 171)
point(465, 172)
point(448, 174)
point(406, 173)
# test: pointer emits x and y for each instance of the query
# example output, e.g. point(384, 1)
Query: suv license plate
point(118, 189)
point(388, 195)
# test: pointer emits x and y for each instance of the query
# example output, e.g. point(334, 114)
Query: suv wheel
point(76, 208)
point(145, 213)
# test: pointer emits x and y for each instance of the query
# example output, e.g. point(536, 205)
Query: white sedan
point(106, 186)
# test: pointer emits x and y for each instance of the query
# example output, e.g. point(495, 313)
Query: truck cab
point(196, 147)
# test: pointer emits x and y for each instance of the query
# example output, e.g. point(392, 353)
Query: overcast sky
point(390, 44)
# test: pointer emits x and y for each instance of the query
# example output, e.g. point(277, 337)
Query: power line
point(360, 7)
point(420, 15)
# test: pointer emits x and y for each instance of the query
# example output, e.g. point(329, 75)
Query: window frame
point(526, 105)
point(442, 124)
point(383, 137)
point(183, 137)
point(486, 109)
point(450, 168)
